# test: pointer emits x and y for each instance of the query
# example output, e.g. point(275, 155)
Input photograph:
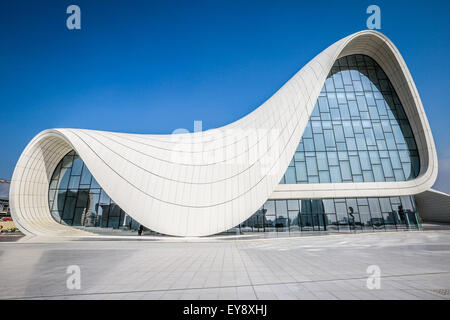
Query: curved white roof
point(202, 183)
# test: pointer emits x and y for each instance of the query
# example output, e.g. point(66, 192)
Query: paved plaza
point(413, 265)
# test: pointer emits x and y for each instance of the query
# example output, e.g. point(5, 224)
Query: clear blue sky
point(155, 66)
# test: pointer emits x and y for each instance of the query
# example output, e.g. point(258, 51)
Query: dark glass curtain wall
point(358, 131)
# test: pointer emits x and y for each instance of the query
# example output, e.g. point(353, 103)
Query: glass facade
point(76, 199)
point(365, 214)
point(358, 131)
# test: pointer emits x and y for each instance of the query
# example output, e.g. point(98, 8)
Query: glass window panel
point(407, 170)
point(374, 207)
point(385, 205)
point(305, 206)
point(325, 116)
point(317, 206)
point(281, 207)
point(323, 104)
point(350, 97)
point(332, 101)
point(294, 220)
point(316, 126)
point(370, 137)
point(365, 160)
point(319, 142)
point(74, 183)
point(346, 77)
point(77, 165)
point(55, 175)
point(328, 205)
point(354, 73)
point(64, 178)
point(357, 126)
point(329, 138)
point(411, 144)
point(360, 142)
point(366, 84)
point(300, 171)
point(78, 216)
point(324, 177)
point(341, 213)
point(333, 158)
point(355, 165)
point(353, 108)
point(299, 156)
point(94, 184)
point(293, 205)
point(387, 169)
point(351, 144)
point(338, 81)
point(357, 86)
point(378, 130)
point(308, 131)
point(86, 176)
point(270, 207)
point(381, 144)
point(69, 208)
point(390, 142)
point(341, 98)
point(361, 101)
point(335, 174)
point(415, 166)
point(378, 173)
point(331, 222)
point(368, 176)
point(322, 162)
point(348, 130)
point(309, 144)
point(374, 157)
point(339, 133)
point(311, 166)
point(290, 176)
point(345, 113)
point(315, 115)
point(399, 175)
point(335, 114)
point(329, 84)
point(345, 170)
point(67, 161)
point(386, 125)
point(53, 184)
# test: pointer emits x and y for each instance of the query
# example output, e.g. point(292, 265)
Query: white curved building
point(344, 144)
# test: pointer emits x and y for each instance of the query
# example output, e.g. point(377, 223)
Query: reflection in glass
point(76, 199)
point(351, 214)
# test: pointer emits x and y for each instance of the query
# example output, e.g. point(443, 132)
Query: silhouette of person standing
point(401, 213)
point(353, 217)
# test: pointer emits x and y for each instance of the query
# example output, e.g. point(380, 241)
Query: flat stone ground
point(413, 265)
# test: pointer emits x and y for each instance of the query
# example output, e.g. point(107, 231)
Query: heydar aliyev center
point(344, 145)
